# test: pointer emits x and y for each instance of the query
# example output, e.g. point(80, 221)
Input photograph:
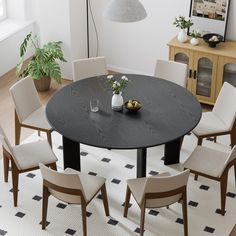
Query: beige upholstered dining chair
point(29, 112)
point(158, 191)
point(24, 158)
point(72, 187)
point(222, 119)
point(214, 165)
point(175, 72)
point(88, 67)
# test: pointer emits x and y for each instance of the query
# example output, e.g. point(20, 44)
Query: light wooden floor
point(7, 107)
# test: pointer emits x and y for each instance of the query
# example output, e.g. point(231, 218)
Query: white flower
point(124, 78)
point(110, 76)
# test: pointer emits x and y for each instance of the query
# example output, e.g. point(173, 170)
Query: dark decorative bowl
point(133, 105)
point(212, 39)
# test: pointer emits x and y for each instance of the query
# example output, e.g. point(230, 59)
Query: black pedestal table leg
point(141, 162)
point(71, 154)
point(172, 151)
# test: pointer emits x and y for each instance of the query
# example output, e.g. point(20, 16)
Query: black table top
point(169, 112)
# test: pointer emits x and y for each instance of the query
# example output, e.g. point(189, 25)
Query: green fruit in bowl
point(129, 105)
point(136, 104)
point(133, 105)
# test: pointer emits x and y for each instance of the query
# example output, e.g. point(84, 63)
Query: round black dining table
point(168, 112)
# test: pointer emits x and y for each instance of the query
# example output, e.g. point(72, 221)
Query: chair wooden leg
point(15, 181)
point(142, 219)
point(215, 139)
point(127, 199)
point(17, 129)
point(235, 174)
point(83, 207)
point(185, 214)
point(49, 137)
point(233, 138)
point(196, 177)
point(46, 194)
point(223, 189)
point(105, 200)
point(6, 166)
point(199, 141)
point(38, 132)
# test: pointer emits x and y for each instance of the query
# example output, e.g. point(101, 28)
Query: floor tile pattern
point(117, 166)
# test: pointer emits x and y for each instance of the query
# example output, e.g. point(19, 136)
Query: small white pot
point(117, 102)
point(194, 41)
point(182, 36)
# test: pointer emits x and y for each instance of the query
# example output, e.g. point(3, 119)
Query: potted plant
point(43, 65)
point(182, 23)
point(195, 35)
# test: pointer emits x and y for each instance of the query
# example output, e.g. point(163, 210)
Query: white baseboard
point(125, 70)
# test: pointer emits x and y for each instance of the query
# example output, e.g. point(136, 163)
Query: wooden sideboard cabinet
point(208, 67)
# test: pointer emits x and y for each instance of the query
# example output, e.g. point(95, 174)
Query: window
point(3, 9)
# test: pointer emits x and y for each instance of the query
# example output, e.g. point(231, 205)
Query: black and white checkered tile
point(116, 167)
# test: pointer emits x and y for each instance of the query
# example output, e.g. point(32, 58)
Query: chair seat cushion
point(207, 161)
point(38, 119)
point(210, 124)
point(31, 154)
point(91, 184)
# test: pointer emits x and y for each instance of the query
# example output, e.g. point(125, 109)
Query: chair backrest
point(231, 157)
point(89, 67)
point(64, 180)
point(155, 185)
point(25, 98)
point(4, 140)
point(225, 107)
point(175, 72)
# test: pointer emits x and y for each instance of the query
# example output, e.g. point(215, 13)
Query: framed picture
point(209, 16)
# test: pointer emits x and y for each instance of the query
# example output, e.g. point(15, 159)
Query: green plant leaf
point(54, 71)
point(36, 69)
point(19, 66)
point(24, 45)
point(44, 61)
point(55, 51)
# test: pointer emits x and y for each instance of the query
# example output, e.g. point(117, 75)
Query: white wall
point(13, 31)
point(53, 22)
point(134, 47)
point(78, 29)
point(10, 49)
point(128, 47)
point(16, 9)
point(64, 21)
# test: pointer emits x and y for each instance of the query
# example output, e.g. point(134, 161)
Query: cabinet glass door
point(182, 58)
point(229, 74)
point(204, 77)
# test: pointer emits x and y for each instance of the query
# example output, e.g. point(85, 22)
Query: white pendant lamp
point(125, 11)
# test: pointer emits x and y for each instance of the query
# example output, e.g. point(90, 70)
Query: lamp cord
point(95, 27)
